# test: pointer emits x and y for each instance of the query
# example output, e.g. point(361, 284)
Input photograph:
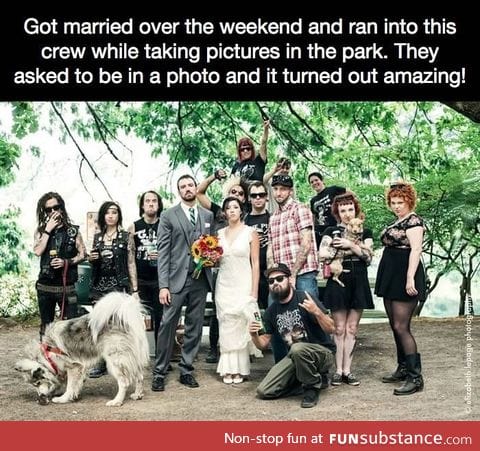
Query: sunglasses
point(258, 195)
point(52, 208)
point(245, 149)
point(234, 191)
point(278, 279)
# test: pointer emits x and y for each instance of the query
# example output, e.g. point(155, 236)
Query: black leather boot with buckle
point(400, 374)
point(414, 380)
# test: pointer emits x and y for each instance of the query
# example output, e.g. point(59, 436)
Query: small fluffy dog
point(114, 331)
point(354, 233)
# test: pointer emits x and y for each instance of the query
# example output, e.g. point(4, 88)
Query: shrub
point(18, 296)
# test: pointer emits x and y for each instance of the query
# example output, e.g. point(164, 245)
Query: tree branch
point(84, 157)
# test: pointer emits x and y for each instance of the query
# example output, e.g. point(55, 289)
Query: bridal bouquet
point(206, 252)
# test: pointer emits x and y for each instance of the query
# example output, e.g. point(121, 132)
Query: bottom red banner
point(240, 435)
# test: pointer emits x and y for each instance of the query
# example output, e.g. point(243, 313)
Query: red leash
point(64, 283)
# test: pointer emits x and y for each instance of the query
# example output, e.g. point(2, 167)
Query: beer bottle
point(53, 254)
point(258, 318)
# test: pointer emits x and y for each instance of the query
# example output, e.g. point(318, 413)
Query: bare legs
point(345, 335)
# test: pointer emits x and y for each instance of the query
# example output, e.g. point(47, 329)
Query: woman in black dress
point(401, 283)
point(347, 302)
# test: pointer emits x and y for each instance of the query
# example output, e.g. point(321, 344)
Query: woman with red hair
point(401, 283)
point(249, 166)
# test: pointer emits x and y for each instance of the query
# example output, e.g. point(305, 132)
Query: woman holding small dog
point(401, 283)
point(350, 294)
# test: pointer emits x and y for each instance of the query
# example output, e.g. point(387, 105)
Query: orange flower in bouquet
point(206, 252)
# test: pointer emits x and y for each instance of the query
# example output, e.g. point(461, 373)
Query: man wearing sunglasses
point(60, 247)
point(304, 326)
point(258, 219)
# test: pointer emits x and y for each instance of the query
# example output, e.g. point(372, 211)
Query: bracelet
point(134, 291)
point(48, 233)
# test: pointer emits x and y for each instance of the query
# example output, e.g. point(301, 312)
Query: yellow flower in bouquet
point(206, 252)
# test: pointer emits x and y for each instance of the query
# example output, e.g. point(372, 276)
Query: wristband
point(48, 233)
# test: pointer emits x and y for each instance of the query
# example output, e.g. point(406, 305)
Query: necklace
point(110, 236)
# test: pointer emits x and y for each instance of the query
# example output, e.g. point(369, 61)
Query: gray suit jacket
point(175, 237)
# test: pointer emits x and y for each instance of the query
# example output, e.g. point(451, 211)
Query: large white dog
point(114, 331)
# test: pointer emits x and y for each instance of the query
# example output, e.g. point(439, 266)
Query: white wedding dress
point(234, 303)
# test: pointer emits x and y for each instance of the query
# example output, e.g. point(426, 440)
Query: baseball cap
point(284, 180)
point(278, 267)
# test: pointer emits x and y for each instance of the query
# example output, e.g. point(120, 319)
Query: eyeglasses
point(258, 195)
point(52, 208)
point(234, 191)
point(245, 149)
point(278, 279)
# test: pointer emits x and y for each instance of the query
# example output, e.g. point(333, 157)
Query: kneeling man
point(304, 325)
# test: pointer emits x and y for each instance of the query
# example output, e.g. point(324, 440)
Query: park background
point(92, 152)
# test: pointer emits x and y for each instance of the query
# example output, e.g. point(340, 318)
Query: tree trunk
point(465, 293)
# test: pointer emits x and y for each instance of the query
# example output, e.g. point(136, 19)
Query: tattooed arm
point(81, 251)
point(305, 246)
point(132, 267)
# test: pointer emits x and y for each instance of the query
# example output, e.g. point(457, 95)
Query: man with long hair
point(60, 247)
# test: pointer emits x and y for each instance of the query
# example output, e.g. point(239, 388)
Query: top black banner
point(269, 57)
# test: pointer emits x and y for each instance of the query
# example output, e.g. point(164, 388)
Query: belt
point(69, 289)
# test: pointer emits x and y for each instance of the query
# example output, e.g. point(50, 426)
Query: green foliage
point(12, 243)
point(19, 297)
point(361, 145)
point(9, 153)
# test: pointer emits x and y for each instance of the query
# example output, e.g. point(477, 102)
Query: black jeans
point(47, 303)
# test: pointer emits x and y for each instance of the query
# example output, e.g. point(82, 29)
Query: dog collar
point(46, 350)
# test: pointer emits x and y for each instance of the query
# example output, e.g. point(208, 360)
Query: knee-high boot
point(414, 379)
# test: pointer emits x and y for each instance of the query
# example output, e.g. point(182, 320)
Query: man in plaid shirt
point(291, 241)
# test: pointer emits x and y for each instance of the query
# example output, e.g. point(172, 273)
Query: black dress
point(356, 294)
point(392, 270)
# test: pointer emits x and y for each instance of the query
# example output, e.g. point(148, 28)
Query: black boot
point(414, 381)
point(400, 374)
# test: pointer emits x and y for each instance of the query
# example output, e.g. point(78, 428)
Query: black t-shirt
point(294, 324)
point(321, 206)
point(145, 239)
point(260, 225)
point(250, 170)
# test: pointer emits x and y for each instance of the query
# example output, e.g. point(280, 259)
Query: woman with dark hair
point(236, 292)
point(401, 283)
point(249, 166)
point(347, 299)
point(112, 259)
point(60, 247)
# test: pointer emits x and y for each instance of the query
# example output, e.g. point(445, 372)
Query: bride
point(236, 292)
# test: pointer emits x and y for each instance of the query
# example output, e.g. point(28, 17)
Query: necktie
point(192, 216)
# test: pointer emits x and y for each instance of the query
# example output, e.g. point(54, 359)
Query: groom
point(179, 227)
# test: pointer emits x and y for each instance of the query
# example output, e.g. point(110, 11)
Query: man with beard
point(291, 240)
point(302, 322)
point(179, 227)
point(144, 232)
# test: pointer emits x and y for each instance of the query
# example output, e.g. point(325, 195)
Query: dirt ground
point(442, 342)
